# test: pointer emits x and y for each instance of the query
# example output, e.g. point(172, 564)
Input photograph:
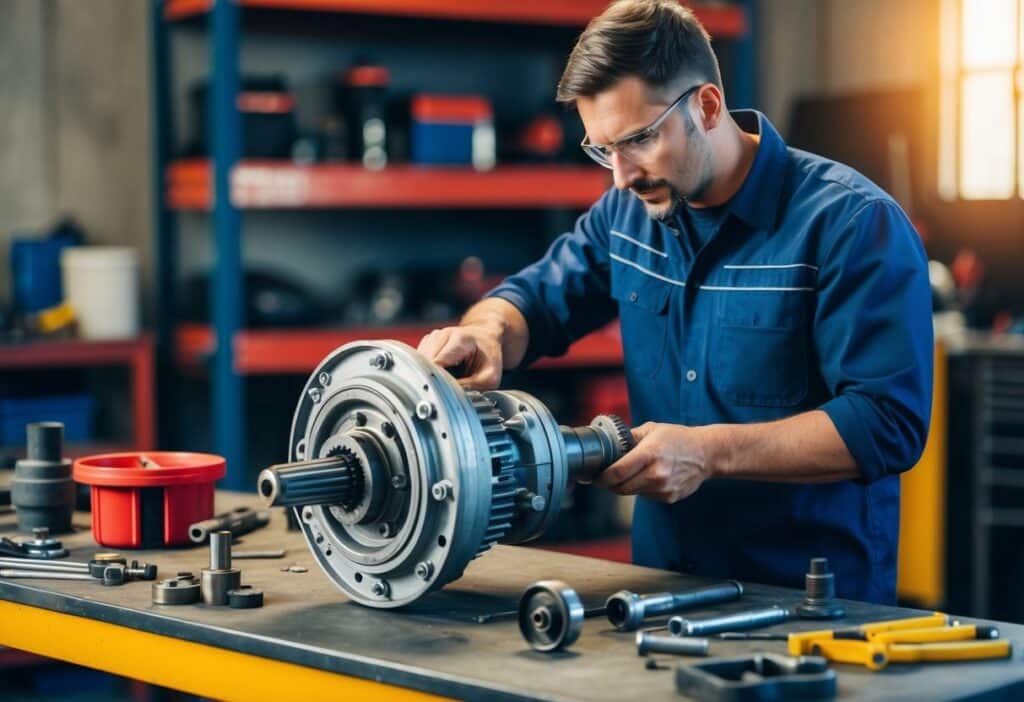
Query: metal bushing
point(215, 581)
point(647, 642)
point(176, 591)
point(550, 615)
point(245, 597)
point(819, 593)
point(214, 585)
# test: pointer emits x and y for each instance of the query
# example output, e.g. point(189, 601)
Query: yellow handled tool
point(800, 643)
point(916, 639)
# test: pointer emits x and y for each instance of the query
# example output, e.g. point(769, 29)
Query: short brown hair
point(657, 41)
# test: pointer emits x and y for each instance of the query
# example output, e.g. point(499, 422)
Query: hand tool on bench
point(764, 677)
point(917, 639)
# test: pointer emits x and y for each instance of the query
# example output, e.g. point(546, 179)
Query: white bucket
point(102, 285)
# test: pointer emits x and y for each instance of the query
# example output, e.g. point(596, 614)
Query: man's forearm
point(805, 448)
point(507, 322)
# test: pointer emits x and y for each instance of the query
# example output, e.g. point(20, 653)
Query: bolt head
point(384, 529)
point(324, 378)
point(381, 588)
point(441, 490)
point(382, 361)
point(424, 570)
point(315, 395)
point(425, 410)
point(399, 481)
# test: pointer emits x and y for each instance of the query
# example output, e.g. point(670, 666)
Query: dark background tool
point(627, 610)
point(761, 678)
point(751, 619)
point(238, 521)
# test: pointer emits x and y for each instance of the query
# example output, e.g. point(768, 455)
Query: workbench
point(308, 642)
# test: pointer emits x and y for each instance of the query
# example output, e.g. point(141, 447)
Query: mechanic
point(775, 313)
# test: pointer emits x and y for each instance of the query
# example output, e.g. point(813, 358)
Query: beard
point(662, 212)
point(691, 178)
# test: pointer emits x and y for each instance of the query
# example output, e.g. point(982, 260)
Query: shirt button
point(691, 375)
point(633, 297)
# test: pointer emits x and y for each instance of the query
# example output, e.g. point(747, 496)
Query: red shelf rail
point(261, 352)
point(280, 185)
point(135, 353)
point(721, 21)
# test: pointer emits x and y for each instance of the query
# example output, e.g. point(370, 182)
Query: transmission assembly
point(399, 477)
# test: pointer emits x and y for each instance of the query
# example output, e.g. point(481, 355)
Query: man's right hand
point(476, 346)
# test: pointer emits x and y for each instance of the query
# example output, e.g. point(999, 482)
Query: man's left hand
point(669, 463)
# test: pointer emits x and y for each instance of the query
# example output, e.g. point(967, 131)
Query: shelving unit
point(137, 354)
point(270, 185)
point(260, 352)
point(725, 21)
point(193, 185)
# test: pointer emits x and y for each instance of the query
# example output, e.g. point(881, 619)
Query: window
point(981, 116)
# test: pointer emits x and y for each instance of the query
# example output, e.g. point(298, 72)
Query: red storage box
point(148, 499)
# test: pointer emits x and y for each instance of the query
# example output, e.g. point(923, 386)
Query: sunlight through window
point(981, 125)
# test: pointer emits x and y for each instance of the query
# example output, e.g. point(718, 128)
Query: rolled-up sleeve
point(565, 295)
point(873, 336)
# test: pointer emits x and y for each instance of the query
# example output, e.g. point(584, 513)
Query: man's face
point(675, 166)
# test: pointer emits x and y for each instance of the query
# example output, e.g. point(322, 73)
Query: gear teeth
point(623, 436)
point(355, 473)
point(503, 483)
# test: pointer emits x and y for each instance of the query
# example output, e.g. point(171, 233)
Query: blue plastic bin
point(74, 411)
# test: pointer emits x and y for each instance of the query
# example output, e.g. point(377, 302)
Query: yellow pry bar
point(192, 667)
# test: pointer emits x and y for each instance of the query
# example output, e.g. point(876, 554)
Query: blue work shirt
point(812, 294)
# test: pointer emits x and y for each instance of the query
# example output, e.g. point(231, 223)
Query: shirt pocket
point(760, 366)
point(643, 316)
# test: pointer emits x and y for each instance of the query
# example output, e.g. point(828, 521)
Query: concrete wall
point(74, 121)
point(841, 46)
point(27, 192)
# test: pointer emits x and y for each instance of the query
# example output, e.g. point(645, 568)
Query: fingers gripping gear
point(400, 477)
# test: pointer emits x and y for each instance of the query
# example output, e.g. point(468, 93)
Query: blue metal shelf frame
point(224, 128)
point(164, 225)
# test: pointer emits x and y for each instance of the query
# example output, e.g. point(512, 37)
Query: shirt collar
point(757, 200)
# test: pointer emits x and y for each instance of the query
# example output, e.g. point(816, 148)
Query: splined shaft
point(323, 481)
